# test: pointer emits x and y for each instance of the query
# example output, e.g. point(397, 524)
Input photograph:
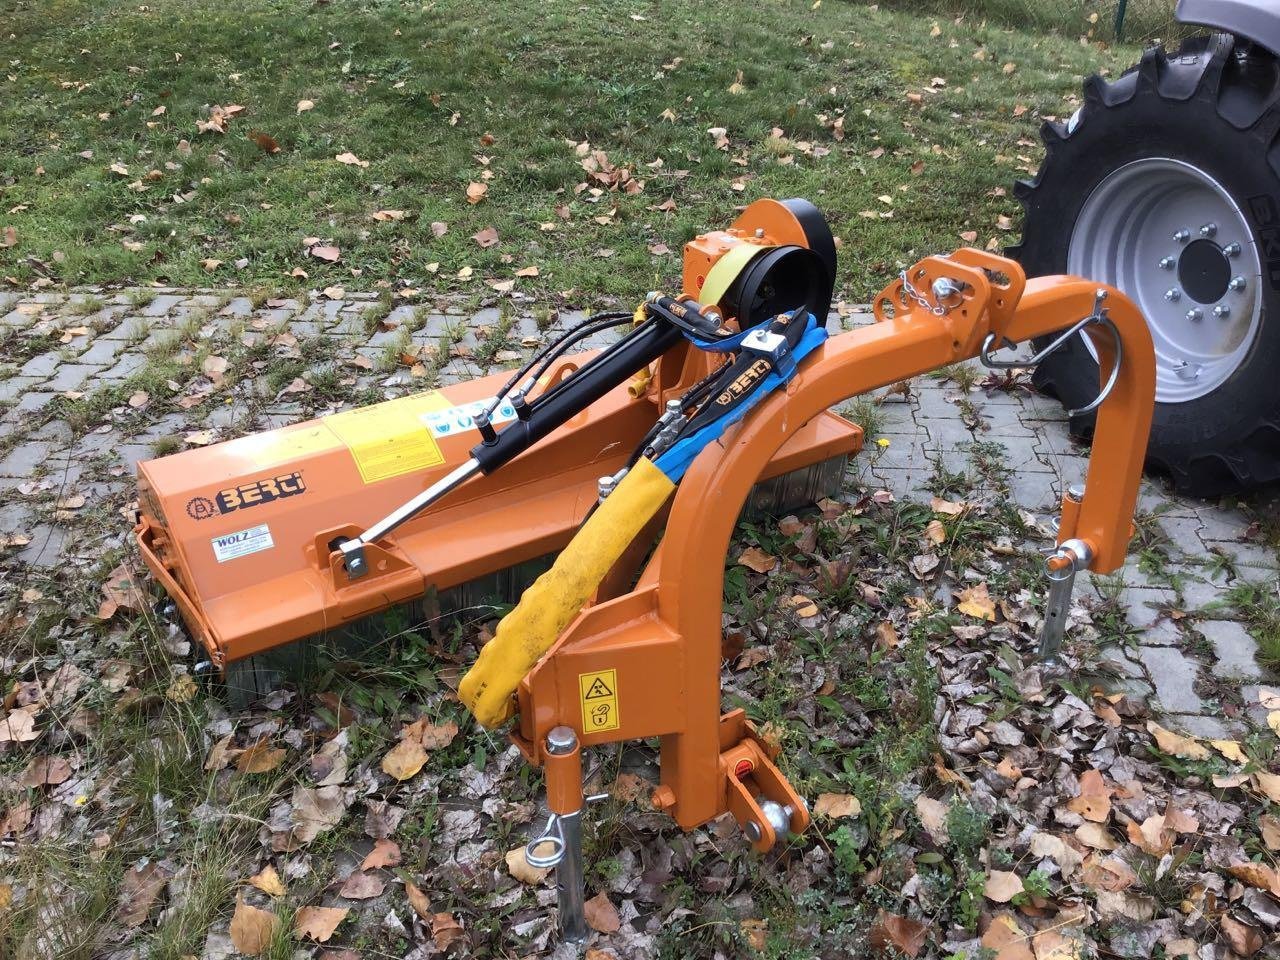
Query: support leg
point(564, 799)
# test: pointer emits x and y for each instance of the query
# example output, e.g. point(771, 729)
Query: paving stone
point(1250, 693)
point(161, 305)
point(45, 548)
point(41, 366)
point(1199, 725)
point(1174, 676)
point(71, 376)
point(102, 352)
point(32, 401)
point(1246, 554)
point(126, 367)
point(14, 387)
point(1234, 648)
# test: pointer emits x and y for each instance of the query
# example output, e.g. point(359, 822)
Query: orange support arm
point(662, 640)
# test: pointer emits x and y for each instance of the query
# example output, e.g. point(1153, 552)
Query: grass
point(435, 98)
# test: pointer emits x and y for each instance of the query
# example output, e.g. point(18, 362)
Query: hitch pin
point(1062, 565)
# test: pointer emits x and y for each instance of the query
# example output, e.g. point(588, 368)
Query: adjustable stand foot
point(564, 831)
point(1062, 565)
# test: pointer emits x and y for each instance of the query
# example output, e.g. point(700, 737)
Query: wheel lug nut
point(1194, 314)
point(1168, 263)
point(1173, 295)
point(1221, 311)
point(1182, 236)
point(1232, 250)
point(1208, 230)
point(1237, 284)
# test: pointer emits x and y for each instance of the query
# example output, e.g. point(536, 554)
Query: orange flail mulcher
point(269, 539)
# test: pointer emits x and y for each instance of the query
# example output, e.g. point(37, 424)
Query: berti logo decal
point(245, 495)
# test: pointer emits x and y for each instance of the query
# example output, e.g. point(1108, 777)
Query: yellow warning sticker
point(599, 692)
point(388, 439)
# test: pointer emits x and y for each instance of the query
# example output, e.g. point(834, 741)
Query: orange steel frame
point(662, 637)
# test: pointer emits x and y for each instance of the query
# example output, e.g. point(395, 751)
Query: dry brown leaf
point(601, 914)
point(518, 866)
point(385, 853)
point(327, 253)
point(1256, 875)
point(1244, 939)
point(260, 758)
point(1268, 783)
point(420, 902)
point(383, 216)
point(837, 806)
point(268, 881)
point(1006, 938)
point(1152, 836)
point(1176, 745)
point(318, 923)
point(977, 602)
point(362, 885)
point(753, 558)
point(45, 771)
point(1269, 826)
point(1002, 886)
point(351, 160)
point(138, 891)
point(485, 238)
point(933, 816)
point(445, 930)
point(404, 760)
point(1051, 944)
point(305, 105)
point(252, 929)
point(1094, 800)
point(902, 933)
point(475, 193)
point(1095, 835)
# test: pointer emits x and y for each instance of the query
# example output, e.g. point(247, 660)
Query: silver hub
point(1157, 217)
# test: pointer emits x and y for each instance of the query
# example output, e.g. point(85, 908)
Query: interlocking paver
point(1007, 441)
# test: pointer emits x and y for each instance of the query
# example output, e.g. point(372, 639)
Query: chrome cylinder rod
point(353, 550)
point(1062, 579)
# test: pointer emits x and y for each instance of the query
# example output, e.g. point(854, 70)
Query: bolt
point(1187, 371)
point(1194, 314)
point(1182, 236)
point(1221, 311)
point(1237, 284)
point(1173, 294)
point(759, 233)
point(1208, 230)
point(561, 740)
point(1232, 250)
point(1168, 263)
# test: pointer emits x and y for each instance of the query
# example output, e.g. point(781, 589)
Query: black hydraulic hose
point(574, 394)
point(580, 333)
point(572, 335)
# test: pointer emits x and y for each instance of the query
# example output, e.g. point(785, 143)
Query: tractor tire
point(1166, 184)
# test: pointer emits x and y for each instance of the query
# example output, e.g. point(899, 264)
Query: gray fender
point(1256, 20)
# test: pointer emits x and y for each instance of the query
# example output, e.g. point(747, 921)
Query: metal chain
point(937, 309)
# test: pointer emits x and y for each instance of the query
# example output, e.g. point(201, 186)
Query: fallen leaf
point(351, 160)
point(1006, 938)
point(1243, 939)
point(327, 253)
point(445, 930)
point(404, 760)
point(138, 891)
point(318, 923)
point(486, 238)
point(418, 900)
point(385, 853)
point(1094, 800)
point(902, 933)
point(384, 215)
point(1268, 783)
point(1269, 826)
point(756, 559)
point(933, 817)
point(362, 885)
point(601, 914)
point(268, 881)
point(18, 727)
point(1175, 745)
point(1002, 886)
point(305, 105)
point(976, 602)
point(260, 758)
point(519, 867)
point(1257, 875)
point(266, 143)
point(837, 805)
point(252, 929)
point(476, 191)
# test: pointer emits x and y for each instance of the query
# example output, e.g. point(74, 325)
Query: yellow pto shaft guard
point(556, 597)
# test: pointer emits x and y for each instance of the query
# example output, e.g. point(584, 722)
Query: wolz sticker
point(245, 495)
point(242, 543)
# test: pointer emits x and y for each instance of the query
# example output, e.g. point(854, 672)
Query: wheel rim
point(1171, 237)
